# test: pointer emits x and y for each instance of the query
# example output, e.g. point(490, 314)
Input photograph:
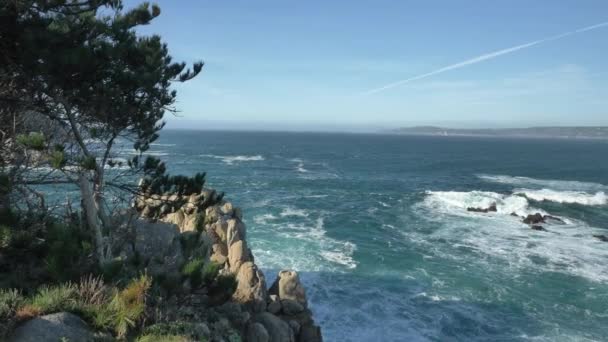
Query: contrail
point(483, 57)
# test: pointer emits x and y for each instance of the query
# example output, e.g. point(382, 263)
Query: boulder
point(274, 304)
point(54, 327)
point(534, 219)
point(310, 333)
point(235, 231)
point(219, 253)
point(603, 238)
point(251, 288)
point(158, 245)
point(295, 326)
point(257, 333)
point(288, 286)
point(220, 227)
point(212, 214)
point(278, 330)
point(238, 253)
point(227, 209)
point(291, 307)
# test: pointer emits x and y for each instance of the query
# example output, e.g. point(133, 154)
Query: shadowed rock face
point(54, 327)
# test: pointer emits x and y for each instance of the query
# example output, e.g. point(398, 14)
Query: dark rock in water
point(514, 214)
point(603, 238)
point(534, 219)
point(553, 218)
point(491, 208)
point(539, 228)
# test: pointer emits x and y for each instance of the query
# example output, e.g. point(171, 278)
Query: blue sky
point(307, 64)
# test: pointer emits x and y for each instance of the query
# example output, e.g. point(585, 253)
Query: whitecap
point(456, 203)
point(233, 159)
point(598, 198)
point(566, 248)
point(289, 211)
point(263, 219)
point(543, 183)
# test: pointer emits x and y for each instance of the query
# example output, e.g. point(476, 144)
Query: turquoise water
point(377, 225)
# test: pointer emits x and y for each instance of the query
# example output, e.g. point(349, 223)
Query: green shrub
point(210, 272)
point(5, 236)
point(182, 329)
point(189, 242)
point(162, 338)
point(128, 305)
point(57, 159)
point(111, 270)
point(65, 249)
point(224, 286)
point(88, 163)
point(51, 299)
point(5, 184)
point(193, 270)
point(200, 221)
point(33, 141)
point(10, 300)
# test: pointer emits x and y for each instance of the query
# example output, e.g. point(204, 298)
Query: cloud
point(484, 57)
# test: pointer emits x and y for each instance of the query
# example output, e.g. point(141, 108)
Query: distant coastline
point(585, 132)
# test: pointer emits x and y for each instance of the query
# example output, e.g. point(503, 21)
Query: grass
point(106, 308)
point(193, 270)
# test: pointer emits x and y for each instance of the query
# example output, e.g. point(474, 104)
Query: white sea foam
point(567, 248)
point(598, 198)
point(384, 204)
point(340, 257)
point(234, 159)
point(456, 203)
point(264, 219)
point(289, 211)
point(544, 183)
point(163, 145)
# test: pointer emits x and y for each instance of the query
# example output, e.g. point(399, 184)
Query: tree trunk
point(93, 217)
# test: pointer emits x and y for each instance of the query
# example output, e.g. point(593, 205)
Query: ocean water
point(378, 229)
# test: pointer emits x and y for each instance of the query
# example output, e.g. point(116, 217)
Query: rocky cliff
point(173, 229)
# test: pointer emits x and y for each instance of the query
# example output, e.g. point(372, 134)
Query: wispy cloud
point(483, 57)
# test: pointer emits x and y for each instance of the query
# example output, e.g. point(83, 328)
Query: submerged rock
point(534, 219)
point(491, 208)
point(603, 238)
point(539, 228)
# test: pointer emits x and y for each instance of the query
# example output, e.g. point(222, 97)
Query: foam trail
point(484, 57)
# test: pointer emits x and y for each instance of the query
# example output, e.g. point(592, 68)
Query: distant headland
point(584, 132)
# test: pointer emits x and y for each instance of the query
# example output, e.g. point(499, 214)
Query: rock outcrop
point(280, 313)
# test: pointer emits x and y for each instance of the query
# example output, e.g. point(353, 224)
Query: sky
point(367, 65)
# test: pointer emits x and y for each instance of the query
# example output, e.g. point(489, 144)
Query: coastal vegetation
point(137, 254)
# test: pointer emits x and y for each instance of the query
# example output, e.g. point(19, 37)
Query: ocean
point(377, 226)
